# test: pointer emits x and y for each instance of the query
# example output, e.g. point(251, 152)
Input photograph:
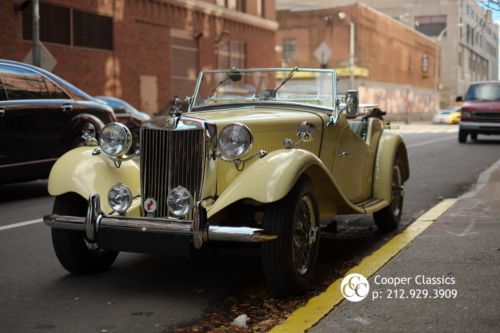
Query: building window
point(92, 30)
point(54, 24)
point(431, 25)
point(238, 5)
point(289, 45)
point(68, 26)
point(231, 54)
point(261, 8)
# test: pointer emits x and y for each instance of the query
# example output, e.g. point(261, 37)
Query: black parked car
point(41, 117)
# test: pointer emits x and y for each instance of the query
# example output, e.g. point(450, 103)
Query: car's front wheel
point(290, 260)
point(462, 136)
point(388, 218)
point(72, 250)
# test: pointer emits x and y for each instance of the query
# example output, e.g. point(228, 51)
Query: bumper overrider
point(151, 235)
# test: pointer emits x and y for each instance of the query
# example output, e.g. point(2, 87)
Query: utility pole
point(35, 28)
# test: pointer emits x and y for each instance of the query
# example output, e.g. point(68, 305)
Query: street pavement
point(462, 250)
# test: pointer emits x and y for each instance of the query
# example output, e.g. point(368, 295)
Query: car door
point(33, 113)
point(351, 160)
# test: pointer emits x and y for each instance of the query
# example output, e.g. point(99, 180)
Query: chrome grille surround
point(171, 158)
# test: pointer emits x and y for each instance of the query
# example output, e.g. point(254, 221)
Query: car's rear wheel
point(72, 250)
point(462, 136)
point(388, 218)
point(290, 260)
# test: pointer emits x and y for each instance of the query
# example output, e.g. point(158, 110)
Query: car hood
point(261, 119)
point(481, 106)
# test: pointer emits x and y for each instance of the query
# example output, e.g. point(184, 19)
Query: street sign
point(48, 62)
point(323, 53)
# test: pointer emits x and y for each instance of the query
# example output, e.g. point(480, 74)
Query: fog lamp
point(179, 201)
point(120, 198)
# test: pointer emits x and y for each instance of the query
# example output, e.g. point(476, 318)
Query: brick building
point(394, 65)
point(145, 51)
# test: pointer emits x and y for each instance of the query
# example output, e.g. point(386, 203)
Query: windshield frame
point(199, 81)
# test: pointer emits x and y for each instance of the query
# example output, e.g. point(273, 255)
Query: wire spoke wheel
point(289, 261)
point(304, 235)
point(388, 218)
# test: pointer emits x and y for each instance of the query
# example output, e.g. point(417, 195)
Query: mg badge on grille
point(150, 205)
point(170, 123)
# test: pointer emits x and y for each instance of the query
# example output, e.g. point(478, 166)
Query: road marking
point(319, 306)
point(20, 224)
point(430, 141)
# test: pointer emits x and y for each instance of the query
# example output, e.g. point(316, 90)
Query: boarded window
point(54, 24)
point(92, 30)
point(184, 51)
point(58, 23)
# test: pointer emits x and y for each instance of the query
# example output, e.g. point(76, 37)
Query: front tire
point(70, 246)
point(388, 218)
point(289, 261)
point(462, 136)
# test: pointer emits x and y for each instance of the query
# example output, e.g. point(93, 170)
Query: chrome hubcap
point(304, 235)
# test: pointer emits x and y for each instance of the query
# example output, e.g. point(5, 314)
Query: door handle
point(344, 154)
point(2, 113)
point(67, 107)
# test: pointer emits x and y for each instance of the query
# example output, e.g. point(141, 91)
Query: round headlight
point(235, 140)
point(120, 198)
point(115, 139)
point(179, 201)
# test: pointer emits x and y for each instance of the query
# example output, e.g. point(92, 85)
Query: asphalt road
point(151, 294)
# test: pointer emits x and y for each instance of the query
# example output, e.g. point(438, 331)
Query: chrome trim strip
point(477, 125)
point(28, 163)
point(238, 234)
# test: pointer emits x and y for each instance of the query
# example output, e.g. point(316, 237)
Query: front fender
point(390, 146)
point(83, 173)
point(271, 178)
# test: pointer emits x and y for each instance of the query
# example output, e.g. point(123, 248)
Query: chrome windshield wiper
point(290, 75)
point(234, 75)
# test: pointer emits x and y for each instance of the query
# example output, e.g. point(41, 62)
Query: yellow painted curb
point(317, 307)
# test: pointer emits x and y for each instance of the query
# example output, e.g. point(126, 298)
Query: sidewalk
point(462, 246)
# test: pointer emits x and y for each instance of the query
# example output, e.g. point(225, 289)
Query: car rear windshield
point(483, 92)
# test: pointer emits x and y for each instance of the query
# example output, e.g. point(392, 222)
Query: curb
point(319, 306)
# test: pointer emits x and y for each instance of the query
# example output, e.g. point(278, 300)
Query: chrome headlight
point(179, 201)
point(235, 140)
point(120, 198)
point(115, 139)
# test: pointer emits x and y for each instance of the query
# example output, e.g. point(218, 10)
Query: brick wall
point(141, 30)
point(392, 52)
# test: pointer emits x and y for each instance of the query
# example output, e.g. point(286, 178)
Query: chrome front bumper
point(196, 231)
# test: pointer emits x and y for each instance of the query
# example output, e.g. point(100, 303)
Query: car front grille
point(170, 159)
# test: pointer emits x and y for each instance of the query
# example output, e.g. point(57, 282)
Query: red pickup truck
point(480, 113)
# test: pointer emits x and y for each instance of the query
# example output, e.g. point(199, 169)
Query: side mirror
point(352, 104)
point(459, 99)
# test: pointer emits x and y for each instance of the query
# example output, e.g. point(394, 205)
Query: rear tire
point(70, 245)
point(462, 136)
point(289, 261)
point(388, 218)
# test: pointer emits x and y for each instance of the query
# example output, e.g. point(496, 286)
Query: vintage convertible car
point(261, 156)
